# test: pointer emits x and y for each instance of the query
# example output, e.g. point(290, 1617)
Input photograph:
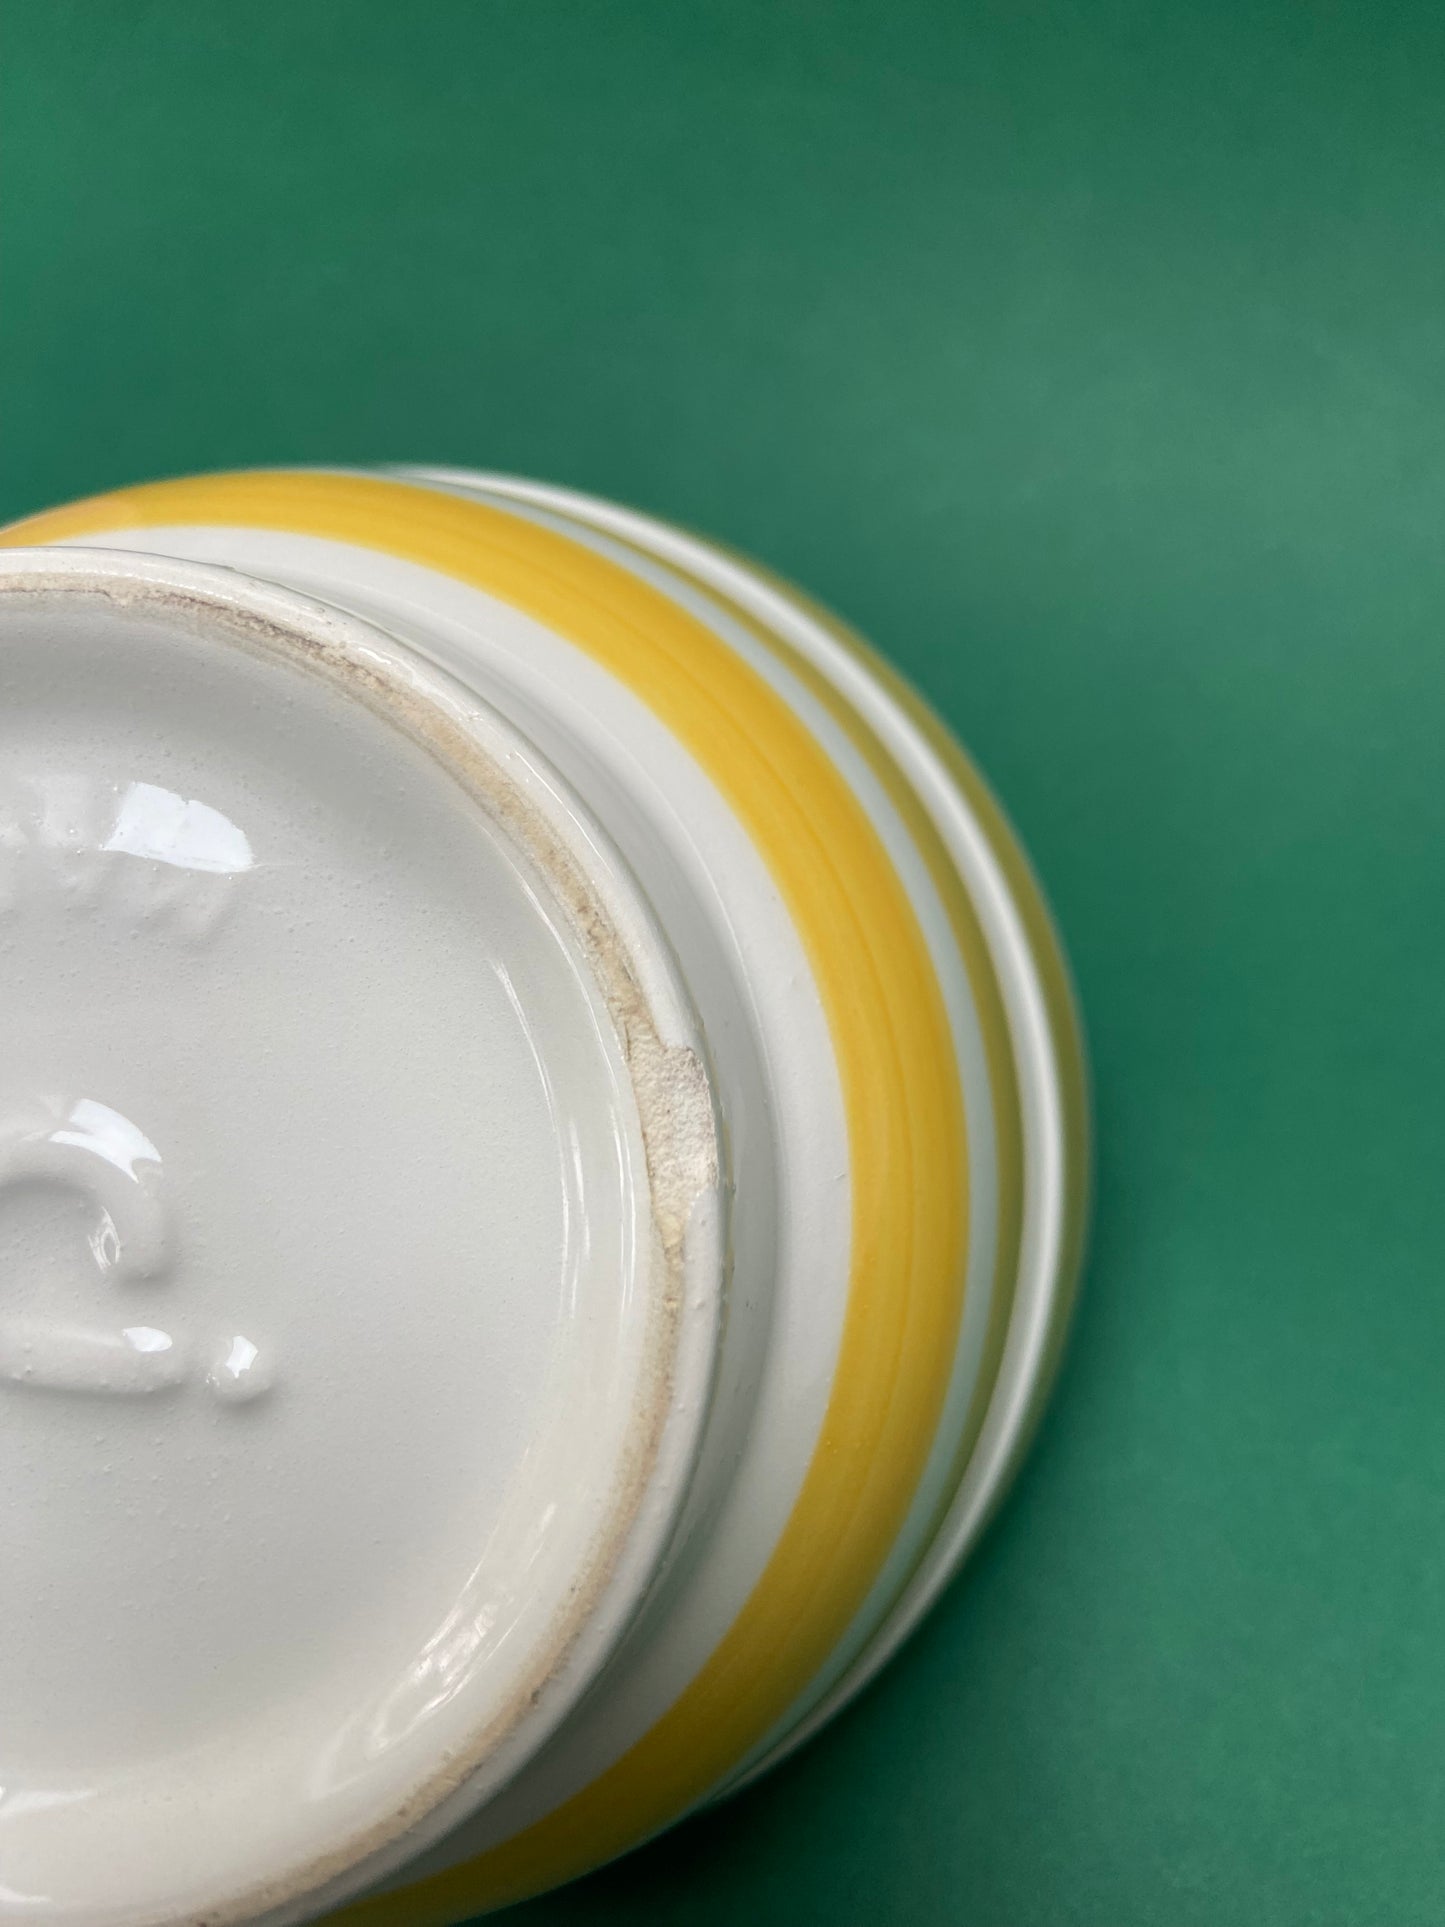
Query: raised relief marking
point(131, 1362)
point(239, 1372)
point(94, 1150)
point(91, 1150)
point(135, 851)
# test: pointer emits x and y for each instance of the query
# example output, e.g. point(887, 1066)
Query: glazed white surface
point(329, 1260)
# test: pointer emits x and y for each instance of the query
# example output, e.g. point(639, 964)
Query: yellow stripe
point(1060, 1003)
point(973, 950)
point(899, 1077)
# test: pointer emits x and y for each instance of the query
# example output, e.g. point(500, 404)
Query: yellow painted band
point(1060, 1003)
point(901, 1095)
point(973, 949)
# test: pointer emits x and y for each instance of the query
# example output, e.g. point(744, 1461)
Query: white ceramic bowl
point(542, 1166)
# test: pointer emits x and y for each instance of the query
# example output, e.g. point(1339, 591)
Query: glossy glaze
point(864, 995)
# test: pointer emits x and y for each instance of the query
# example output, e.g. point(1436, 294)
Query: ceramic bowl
point(542, 1158)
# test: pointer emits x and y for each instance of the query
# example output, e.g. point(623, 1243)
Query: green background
point(1090, 356)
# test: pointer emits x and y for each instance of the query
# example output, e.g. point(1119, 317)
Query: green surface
point(1092, 358)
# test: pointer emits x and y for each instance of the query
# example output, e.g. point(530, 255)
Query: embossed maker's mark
point(134, 850)
point(91, 1150)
